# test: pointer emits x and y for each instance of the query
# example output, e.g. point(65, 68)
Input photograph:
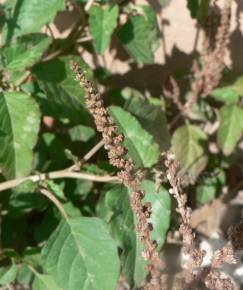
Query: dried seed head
point(117, 157)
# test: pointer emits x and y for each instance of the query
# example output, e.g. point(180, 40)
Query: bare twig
point(57, 203)
point(56, 175)
point(23, 78)
point(195, 256)
point(87, 156)
point(89, 5)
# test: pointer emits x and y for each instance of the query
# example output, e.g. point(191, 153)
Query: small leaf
point(231, 127)
point(198, 8)
point(140, 36)
point(81, 133)
point(209, 186)
point(19, 126)
point(45, 282)
point(140, 144)
point(26, 197)
point(25, 51)
point(103, 21)
point(227, 95)
point(25, 275)
point(188, 146)
point(8, 274)
point(161, 204)
point(28, 16)
point(80, 254)
point(63, 96)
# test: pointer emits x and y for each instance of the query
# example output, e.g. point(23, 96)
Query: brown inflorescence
point(207, 73)
point(236, 236)
point(195, 255)
point(210, 276)
point(117, 154)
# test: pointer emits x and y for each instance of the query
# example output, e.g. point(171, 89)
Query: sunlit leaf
point(19, 126)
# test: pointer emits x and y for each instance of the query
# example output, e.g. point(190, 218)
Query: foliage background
point(45, 126)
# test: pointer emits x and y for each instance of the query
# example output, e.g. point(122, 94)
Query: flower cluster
point(195, 255)
point(117, 155)
point(207, 74)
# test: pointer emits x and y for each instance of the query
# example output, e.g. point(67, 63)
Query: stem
point(88, 5)
point(56, 175)
point(23, 78)
point(87, 156)
point(57, 203)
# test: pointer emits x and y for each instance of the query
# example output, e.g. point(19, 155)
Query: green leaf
point(19, 126)
point(161, 204)
point(8, 274)
point(140, 36)
point(140, 144)
point(193, 6)
point(226, 95)
point(231, 127)
point(115, 208)
point(103, 21)
point(209, 186)
point(81, 133)
point(25, 275)
point(45, 282)
point(188, 146)
point(24, 51)
point(28, 16)
point(150, 116)
point(80, 254)
point(198, 8)
point(26, 197)
point(63, 96)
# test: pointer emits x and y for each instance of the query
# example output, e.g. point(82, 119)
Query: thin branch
point(23, 78)
point(84, 39)
point(88, 5)
point(56, 175)
point(87, 156)
point(57, 203)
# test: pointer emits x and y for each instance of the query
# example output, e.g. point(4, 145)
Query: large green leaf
point(103, 21)
point(115, 208)
point(45, 282)
point(188, 146)
point(149, 114)
point(19, 126)
point(81, 255)
point(140, 144)
point(63, 96)
point(28, 16)
point(231, 127)
point(140, 35)
point(25, 51)
point(8, 274)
